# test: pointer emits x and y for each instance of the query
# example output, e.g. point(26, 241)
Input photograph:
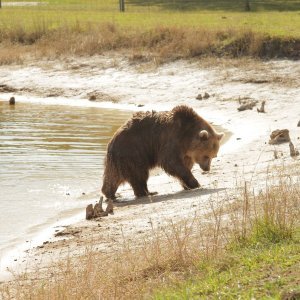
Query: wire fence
point(64, 4)
point(156, 5)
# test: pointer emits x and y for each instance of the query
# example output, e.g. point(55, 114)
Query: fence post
point(122, 5)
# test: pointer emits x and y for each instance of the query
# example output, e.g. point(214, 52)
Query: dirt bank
point(245, 156)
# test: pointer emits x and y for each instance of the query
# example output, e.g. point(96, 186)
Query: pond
point(51, 164)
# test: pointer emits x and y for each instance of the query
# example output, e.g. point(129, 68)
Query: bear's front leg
point(177, 169)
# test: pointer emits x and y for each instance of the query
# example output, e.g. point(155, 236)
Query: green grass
point(280, 18)
point(254, 271)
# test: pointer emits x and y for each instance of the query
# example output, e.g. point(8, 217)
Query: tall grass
point(160, 43)
point(170, 253)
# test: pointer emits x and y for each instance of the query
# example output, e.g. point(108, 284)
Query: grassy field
point(165, 30)
point(280, 18)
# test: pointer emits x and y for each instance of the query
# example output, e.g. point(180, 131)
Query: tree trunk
point(247, 5)
point(122, 5)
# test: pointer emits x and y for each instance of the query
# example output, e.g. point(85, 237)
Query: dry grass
point(171, 253)
point(160, 44)
point(11, 54)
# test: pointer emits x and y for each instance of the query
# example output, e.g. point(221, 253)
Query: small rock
point(206, 95)
point(235, 165)
point(298, 125)
point(12, 101)
point(92, 97)
point(140, 105)
point(279, 136)
point(275, 154)
point(199, 97)
point(89, 212)
point(83, 193)
point(68, 194)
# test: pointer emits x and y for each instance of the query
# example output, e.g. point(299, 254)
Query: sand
point(246, 155)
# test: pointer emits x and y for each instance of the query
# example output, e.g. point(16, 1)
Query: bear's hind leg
point(139, 188)
point(139, 184)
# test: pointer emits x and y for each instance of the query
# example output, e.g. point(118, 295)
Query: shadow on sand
point(162, 198)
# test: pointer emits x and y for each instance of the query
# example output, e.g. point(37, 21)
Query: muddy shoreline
point(246, 156)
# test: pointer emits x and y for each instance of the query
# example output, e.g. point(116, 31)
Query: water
point(51, 164)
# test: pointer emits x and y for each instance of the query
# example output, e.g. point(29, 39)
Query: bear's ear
point(220, 135)
point(203, 134)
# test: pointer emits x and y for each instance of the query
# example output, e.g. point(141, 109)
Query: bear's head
point(204, 147)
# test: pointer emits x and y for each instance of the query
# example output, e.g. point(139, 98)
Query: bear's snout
point(205, 168)
point(205, 164)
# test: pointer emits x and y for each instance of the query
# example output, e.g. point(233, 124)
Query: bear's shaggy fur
point(173, 140)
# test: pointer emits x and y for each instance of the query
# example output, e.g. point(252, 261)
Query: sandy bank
point(115, 83)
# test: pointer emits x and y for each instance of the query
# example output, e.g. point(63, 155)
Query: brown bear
point(173, 140)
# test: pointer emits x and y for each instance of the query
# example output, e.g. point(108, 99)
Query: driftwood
point(293, 152)
point(262, 108)
point(246, 104)
point(97, 211)
point(89, 212)
point(279, 137)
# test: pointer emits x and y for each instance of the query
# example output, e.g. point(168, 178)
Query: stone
point(298, 124)
point(279, 136)
point(199, 97)
point(206, 95)
point(92, 97)
point(12, 101)
point(89, 212)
